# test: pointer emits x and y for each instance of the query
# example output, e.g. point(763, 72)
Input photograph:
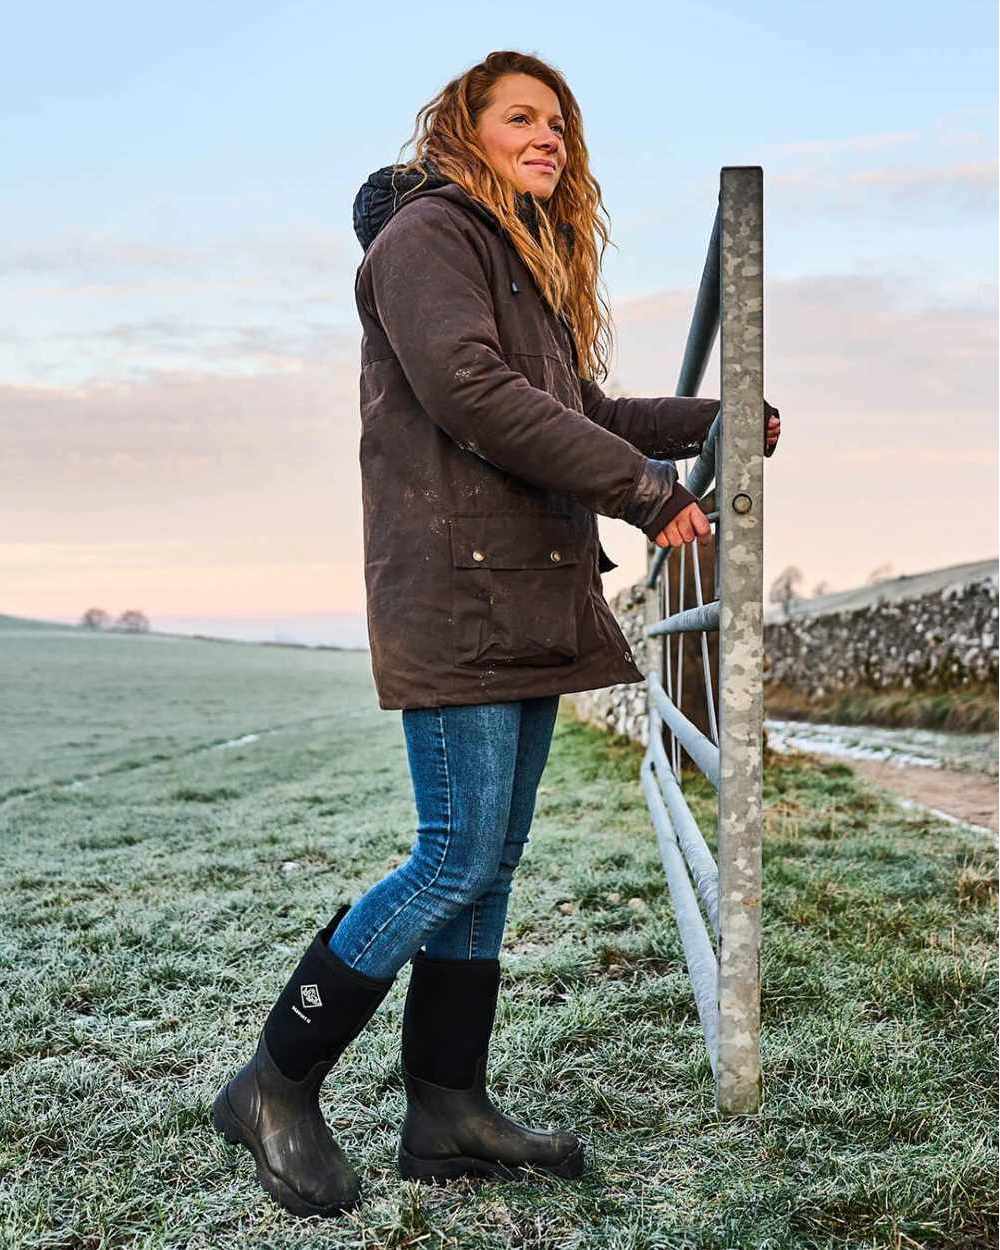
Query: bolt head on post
point(742, 504)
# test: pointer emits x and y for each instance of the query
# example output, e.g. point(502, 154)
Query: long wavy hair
point(564, 260)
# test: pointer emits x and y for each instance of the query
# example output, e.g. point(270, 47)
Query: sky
point(179, 345)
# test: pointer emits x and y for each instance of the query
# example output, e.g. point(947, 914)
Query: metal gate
point(725, 966)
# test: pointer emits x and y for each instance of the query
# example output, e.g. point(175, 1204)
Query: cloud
point(117, 457)
point(865, 342)
point(888, 409)
point(983, 173)
point(207, 490)
point(93, 254)
point(96, 257)
point(956, 171)
point(103, 307)
point(262, 347)
point(848, 143)
point(969, 188)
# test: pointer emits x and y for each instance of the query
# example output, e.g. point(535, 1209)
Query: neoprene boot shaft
point(451, 1127)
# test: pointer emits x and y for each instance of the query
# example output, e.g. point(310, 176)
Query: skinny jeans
point(475, 770)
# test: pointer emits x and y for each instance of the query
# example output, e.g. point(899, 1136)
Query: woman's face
point(522, 133)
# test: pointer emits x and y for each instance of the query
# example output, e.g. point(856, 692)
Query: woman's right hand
point(686, 526)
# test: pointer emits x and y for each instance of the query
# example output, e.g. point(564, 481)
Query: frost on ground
point(150, 920)
point(917, 748)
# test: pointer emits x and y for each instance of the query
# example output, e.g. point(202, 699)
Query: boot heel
point(413, 1169)
point(223, 1120)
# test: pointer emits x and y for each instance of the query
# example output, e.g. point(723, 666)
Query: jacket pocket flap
point(514, 541)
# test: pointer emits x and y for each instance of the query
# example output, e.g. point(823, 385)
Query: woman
point(486, 449)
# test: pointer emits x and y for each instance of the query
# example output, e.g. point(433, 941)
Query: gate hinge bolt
point(742, 504)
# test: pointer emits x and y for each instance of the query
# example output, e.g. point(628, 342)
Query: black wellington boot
point(271, 1106)
point(451, 1127)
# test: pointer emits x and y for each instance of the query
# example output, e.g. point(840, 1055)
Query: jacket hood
point(386, 190)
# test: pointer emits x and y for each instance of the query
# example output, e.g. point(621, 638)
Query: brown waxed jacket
point(484, 458)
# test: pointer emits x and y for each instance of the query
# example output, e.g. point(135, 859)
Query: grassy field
point(180, 817)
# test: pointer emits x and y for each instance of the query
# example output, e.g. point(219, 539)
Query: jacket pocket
point(514, 590)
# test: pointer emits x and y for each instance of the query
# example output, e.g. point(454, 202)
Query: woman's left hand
point(773, 429)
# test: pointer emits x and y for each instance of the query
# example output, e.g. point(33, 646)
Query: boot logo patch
point(310, 996)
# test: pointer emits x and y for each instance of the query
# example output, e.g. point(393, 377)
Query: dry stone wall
point(622, 709)
point(943, 639)
point(931, 632)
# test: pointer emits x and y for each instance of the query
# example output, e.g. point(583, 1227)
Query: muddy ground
point(963, 796)
point(954, 775)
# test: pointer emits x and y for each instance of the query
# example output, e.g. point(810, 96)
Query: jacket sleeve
point(427, 283)
point(670, 428)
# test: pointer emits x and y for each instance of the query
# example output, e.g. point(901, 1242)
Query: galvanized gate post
point(739, 492)
point(723, 961)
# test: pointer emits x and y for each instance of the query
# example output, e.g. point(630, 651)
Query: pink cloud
point(194, 491)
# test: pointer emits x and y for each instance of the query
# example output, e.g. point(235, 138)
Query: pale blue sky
point(177, 185)
point(147, 136)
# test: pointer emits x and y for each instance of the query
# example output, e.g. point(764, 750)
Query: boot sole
point(228, 1125)
point(413, 1168)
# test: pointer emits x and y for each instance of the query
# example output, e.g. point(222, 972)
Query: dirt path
point(965, 796)
point(949, 773)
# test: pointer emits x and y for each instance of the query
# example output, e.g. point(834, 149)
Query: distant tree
point(787, 585)
point(880, 574)
point(822, 588)
point(95, 618)
point(133, 622)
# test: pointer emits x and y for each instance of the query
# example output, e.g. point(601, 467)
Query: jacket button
point(478, 555)
point(555, 556)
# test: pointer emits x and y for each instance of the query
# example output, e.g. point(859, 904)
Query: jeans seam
point(472, 928)
point(444, 853)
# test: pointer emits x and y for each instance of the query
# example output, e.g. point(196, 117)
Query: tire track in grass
point(131, 765)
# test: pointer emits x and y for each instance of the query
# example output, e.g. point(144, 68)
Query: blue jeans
point(475, 770)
